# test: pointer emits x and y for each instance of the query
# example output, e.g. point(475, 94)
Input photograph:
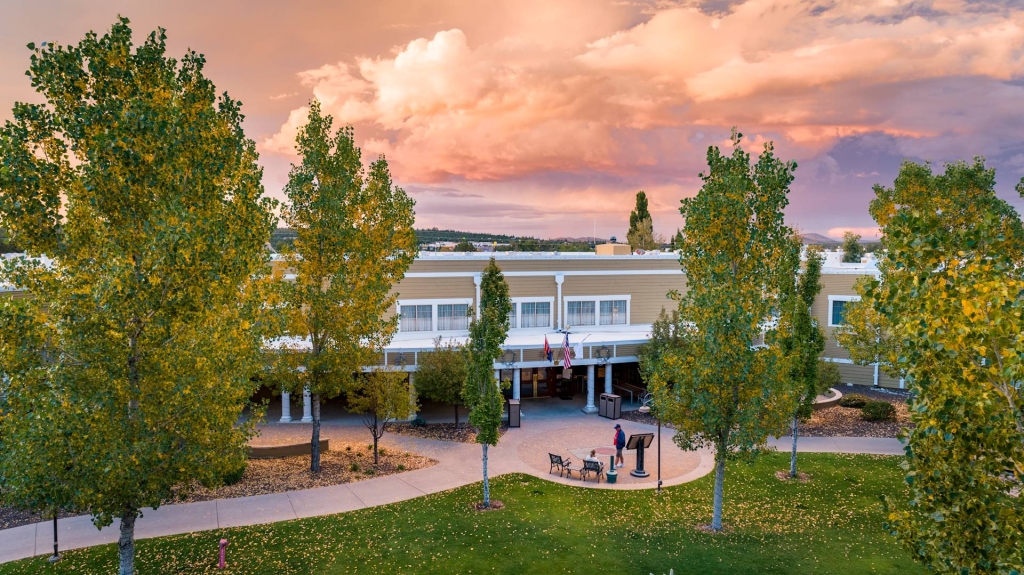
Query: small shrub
point(401, 467)
point(854, 400)
point(348, 448)
point(354, 468)
point(878, 411)
point(369, 447)
point(233, 477)
point(383, 451)
point(369, 472)
point(419, 422)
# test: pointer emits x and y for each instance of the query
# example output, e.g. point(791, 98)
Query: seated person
point(592, 457)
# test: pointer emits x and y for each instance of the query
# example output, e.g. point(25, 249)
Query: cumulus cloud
point(642, 104)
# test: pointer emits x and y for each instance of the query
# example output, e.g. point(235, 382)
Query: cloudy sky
point(545, 117)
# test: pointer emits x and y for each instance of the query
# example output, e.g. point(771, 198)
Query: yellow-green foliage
point(136, 352)
point(946, 313)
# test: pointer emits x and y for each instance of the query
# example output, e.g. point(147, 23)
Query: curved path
point(521, 450)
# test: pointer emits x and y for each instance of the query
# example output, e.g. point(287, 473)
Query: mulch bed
point(495, 505)
point(847, 422)
point(464, 433)
point(345, 463)
point(800, 476)
point(837, 421)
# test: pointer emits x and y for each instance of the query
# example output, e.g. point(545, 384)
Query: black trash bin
point(513, 413)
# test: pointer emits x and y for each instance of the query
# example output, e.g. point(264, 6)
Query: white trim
point(834, 298)
point(597, 299)
point(548, 273)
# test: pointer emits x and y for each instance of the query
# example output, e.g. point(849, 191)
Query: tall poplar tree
point(354, 241)
point(801, 339)
point(714, 385)
point(946, 313)
point(136, 178)
point(482, 391)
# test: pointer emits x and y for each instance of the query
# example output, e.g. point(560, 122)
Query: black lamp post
point(658, 416)
point(56, 556)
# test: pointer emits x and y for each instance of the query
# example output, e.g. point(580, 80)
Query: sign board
point(645, 439)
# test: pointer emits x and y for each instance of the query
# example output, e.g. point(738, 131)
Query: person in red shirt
point(620, 443)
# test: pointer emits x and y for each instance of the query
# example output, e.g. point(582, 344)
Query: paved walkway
point(458, 465)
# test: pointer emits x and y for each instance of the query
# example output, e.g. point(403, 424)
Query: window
point(535, 314)
point(416, 318)
point(452, 316)
point(512, 317)
point(613, 312)
point(580, 313)
point(838, 305)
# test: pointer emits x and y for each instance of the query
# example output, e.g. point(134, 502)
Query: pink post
point(223, 554)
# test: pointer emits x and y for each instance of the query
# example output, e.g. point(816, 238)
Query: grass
point(831, 525)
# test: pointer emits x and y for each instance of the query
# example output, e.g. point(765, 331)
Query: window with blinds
point(613, 312)
point(452, 317)
point(580, 313)
point(416, 318)
point(512, 317)
point(535, 314)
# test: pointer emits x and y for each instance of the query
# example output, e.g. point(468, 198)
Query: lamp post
point(56, 556)
point(658, 416)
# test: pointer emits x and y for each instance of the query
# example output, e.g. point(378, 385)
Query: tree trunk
point(716, 518)
point(376, 458)
point(487, 485)
point(456, 416)
point(126, 543)
point(792, 458)
point(314, 452)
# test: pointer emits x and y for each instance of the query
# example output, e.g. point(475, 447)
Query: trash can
point(513, 413)
point(610, 406)
point(611, 475)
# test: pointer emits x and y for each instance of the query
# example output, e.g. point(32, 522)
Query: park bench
point(589, 468)
point(560, 464)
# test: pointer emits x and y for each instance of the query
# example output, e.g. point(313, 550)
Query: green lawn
point(831, 525)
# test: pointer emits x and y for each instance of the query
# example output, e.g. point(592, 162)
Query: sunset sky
point(544, 117)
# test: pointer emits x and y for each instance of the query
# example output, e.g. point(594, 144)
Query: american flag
point(547, 349)
point(565, 352)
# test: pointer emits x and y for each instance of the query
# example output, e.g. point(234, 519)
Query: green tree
point(464, 246)
point(714, 385)
point(381, 396)
point(482, 391)
point(643, 237)
point(354, 240)
point(639, 213)
point(800, 338)
point(946, 314)
point(853, 251)
point(441, 374)
point(139, 183)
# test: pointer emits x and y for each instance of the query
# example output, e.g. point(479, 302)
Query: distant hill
point(818, 239)
point(583, 240)
point(435, 235)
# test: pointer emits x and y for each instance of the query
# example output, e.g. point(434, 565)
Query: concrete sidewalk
point(458, 465)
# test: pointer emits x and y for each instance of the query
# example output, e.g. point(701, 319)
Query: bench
point(595, 468)
point(560, 464)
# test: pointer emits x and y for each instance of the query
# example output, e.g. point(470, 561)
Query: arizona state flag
point(547, 348)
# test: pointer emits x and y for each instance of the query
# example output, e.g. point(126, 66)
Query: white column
point(876, 375)
point(901, 383)
point(497, 376)
point(307, 406)
point(516, 379)
point(590, 408)
point(286, 407)
point(559, 278)
point(476, 280)
point(412, 395)
point(607, 378)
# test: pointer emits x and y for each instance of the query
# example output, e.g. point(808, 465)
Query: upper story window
point(416, 318)
point(535, 314)
point(597, 310)
point(837, 308)
point(613, 312)
point(434, 315)
point(580, 313)
point(512, 316)
point(453, 317)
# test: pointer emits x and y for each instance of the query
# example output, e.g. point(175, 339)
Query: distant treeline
point(283, 237)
